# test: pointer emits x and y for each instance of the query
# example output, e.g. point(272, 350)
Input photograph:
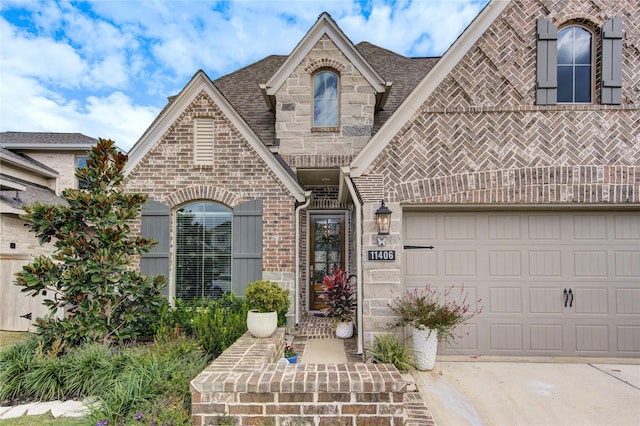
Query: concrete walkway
point(532, 393)
point(324, 351)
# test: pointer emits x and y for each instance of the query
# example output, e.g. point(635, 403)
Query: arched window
point(203, 251)
point(574, 65)
point(325, 99)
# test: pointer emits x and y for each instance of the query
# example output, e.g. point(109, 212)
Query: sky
point(105, 68)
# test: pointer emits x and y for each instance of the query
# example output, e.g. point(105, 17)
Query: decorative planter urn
point(425, 347)
point(344, 329)
point(262, 324)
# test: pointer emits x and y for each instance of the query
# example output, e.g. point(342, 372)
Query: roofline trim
point(427, 86)
point(48, 146)
point(199, 82)
point(24, 164)
point(325, 25)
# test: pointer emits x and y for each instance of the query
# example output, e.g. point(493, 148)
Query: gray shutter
point(155, 223)
point(611, 92)
point(247, 245)
point(546, 63)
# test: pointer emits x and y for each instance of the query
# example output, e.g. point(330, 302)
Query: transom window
point(574, 65)
point(203, 251)
point(325, 99)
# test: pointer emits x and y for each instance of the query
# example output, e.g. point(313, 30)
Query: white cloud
point(105, 68)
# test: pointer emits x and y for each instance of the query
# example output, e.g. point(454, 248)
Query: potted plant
point(265, 300)
point(290, 354)
point(339, 296)
point(433, 316)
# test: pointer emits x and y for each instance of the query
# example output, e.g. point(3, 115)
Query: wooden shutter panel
point(155, 223)
point(247, 245)
point(611, 91)
point(546, 63)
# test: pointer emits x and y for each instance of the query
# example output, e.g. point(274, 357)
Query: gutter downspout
point(358, 208)
point(307, 195)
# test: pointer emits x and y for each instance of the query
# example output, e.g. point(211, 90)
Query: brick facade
point(168, 174)
point(479, 139)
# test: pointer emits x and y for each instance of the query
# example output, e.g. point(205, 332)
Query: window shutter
point(611, 92)
point(203, 140)
point(546, 63)
point(155, 224)
point(247, 245)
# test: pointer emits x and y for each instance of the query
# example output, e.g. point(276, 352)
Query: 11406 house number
point(381, 255)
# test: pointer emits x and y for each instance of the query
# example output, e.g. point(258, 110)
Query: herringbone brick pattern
point(483, 120)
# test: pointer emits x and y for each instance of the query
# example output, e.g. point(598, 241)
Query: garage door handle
point(418, 247)
point(570, 298)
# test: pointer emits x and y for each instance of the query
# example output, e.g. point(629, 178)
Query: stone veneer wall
point(247, 385)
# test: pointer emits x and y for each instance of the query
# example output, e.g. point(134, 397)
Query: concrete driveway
point(532, 393)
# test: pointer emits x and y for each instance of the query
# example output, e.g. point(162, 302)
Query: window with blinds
point(203, 251)
point(203, 140)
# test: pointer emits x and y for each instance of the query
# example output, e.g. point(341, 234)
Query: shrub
point(266, 296)
point(390, 350)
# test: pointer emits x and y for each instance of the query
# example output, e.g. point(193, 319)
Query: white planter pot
point(262, 324)
point(425, 347)
point(344, 329)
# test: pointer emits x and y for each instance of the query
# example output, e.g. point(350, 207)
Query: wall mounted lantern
point(383, 221)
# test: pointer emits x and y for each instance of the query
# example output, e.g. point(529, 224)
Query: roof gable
point(427, 86)
point(325, 25)
point(198, 83)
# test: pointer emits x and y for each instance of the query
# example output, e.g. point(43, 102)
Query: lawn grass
point(10, 338)
point(45, 419)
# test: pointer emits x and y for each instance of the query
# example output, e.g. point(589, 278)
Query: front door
point(327, 252)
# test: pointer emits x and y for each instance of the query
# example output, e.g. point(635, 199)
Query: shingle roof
point(31, 194)
point(241, 88)
point(9, 139)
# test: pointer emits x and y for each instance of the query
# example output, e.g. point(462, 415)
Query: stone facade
point(479, 139)
point(294, 109)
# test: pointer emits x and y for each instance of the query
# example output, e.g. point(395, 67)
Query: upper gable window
point(574, 65)
point(325, 99)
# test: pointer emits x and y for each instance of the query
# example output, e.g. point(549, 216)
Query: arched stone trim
point(202, 192)
point(615, 184)
point(320, 63)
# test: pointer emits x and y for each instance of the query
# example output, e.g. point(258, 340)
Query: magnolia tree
point(88, 276)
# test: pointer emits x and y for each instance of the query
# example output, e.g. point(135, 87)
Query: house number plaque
point(381, 255)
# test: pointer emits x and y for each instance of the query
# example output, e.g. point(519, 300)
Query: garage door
point(551, 283)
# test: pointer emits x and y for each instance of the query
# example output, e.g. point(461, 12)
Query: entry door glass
point(327, 252)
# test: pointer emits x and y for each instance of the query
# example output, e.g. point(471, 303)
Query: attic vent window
point(325, 100)
point(203, 141)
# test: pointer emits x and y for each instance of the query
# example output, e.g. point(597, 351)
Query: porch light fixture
point(383, 221)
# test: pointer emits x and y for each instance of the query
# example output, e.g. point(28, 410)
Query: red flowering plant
point(339, 295)
point(429, 308)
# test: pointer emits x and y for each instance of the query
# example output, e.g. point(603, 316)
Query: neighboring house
point(33, 167)
point(511, 166)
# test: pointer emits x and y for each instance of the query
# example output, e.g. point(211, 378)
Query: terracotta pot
point(262, 324)
point(425, 347)
point(344, 329)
